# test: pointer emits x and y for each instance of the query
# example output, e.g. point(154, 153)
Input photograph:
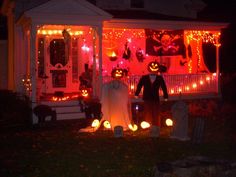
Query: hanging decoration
point(67, 40)
point(113, 56)
point(127, 52)
point(140, 55)
point(164, 43)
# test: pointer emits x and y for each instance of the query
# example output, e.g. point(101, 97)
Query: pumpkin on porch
point(117, 73)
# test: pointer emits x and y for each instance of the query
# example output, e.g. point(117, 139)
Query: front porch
point(202, 85)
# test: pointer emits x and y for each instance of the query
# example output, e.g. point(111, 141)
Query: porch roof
point(164, 24)
point(67, 12)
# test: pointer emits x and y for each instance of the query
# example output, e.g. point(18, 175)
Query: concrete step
point(69, 116)
point(61, 103)
point(66, 109)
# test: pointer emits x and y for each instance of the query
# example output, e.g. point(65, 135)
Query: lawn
point(60, 150)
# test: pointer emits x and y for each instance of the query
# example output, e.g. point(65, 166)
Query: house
point(50, 42)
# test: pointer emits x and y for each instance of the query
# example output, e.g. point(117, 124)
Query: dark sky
point(224, 11)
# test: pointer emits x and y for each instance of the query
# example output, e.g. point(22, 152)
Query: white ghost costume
point(116, 106)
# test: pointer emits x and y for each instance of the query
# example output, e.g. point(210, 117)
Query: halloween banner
point(165, 43)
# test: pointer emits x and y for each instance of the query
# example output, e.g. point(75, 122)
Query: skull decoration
point(153, 67)
point(117, 73)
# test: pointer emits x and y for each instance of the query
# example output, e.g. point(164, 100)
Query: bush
point(15, 110)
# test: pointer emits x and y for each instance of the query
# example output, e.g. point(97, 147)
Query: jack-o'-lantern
point(153, 66)
point(84, 92)
point(117, 73)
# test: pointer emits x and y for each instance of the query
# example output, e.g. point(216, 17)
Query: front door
point(59, 67)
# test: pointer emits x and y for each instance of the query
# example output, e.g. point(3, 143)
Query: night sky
point(222, 11)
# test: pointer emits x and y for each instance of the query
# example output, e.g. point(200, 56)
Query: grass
point(62, 151)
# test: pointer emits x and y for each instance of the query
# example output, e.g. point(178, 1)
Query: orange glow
point(59, 32)
point(54, 98)
point(145, 125)
point(113, 54)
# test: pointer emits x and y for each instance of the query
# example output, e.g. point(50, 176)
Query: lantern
point(153, 67)
point(107, 124)
point(113, 56)
point(95, 123)
point(145, 125)
point(133, 127)
point(169, 122)
point(117, 73)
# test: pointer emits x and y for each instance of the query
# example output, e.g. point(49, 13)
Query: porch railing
point(185, 83)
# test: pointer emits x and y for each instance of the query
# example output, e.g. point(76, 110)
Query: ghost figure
point(116, 104)
point(180, 118)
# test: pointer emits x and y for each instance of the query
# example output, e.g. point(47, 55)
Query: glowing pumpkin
point(153, 67)
point(84, 92)
point(117, 73)
point(144, 125)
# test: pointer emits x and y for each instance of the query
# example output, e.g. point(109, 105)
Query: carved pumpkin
point(153, 66)
point(84, 92)
point(117, 73)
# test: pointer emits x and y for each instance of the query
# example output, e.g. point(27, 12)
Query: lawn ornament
point(169, 122)
point(95, 123)
point(144, 125)
point(107, 124)
point(133, 127)
point(118, 131)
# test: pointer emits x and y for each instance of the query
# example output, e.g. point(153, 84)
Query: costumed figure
point(116, 107)
point(86, 77)
point(127, 52)
point(151, 83)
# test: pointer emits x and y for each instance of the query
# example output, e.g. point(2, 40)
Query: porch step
point(66, 110)
point(71, 115)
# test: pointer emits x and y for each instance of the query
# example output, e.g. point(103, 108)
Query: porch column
point(11, 34)
point(94, 61)
point(100, 79)
point(218, 69)
point(33, 69)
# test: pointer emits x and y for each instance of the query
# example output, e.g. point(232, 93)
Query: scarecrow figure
point(151, 83)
